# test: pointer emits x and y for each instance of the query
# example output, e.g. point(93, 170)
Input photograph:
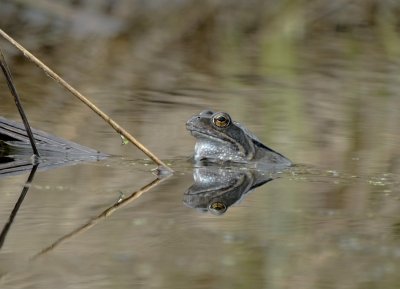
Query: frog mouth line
point(198, 134)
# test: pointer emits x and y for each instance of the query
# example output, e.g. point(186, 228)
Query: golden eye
point(221, 119)
point(217, 208)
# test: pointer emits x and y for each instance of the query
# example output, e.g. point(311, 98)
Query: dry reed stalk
point(82, 98)
point(13, 90)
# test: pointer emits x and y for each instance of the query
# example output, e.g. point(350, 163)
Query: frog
point(219, 139)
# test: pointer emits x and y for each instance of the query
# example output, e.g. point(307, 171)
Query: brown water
point(330, 102)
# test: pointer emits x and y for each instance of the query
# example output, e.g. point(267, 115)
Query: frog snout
point(192, 121)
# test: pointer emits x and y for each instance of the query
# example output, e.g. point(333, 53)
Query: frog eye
point(221, 119)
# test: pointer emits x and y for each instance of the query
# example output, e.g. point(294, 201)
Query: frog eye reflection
point(221, 119)
point(217, 208)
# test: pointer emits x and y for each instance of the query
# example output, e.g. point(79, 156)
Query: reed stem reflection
point(106, 213)
point(21, 198)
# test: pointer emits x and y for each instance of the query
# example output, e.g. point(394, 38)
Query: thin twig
point(11, 86)
point(82, 98)
point(107, 212)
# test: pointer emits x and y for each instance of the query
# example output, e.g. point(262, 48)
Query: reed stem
point(82, 98)
point(13, 90)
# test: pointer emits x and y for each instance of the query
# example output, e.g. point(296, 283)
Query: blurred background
point(316, 80)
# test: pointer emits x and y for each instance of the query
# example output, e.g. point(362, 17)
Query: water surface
point(329, 102)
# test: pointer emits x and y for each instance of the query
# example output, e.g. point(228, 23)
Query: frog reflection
point(219, 139)
point(215, 189)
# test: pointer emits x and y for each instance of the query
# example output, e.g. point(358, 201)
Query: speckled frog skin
point(219, 139)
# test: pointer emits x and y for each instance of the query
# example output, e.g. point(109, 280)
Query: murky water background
point(322, 91)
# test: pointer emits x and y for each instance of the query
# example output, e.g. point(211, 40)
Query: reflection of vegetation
point(106, 213)
point(14, 212)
